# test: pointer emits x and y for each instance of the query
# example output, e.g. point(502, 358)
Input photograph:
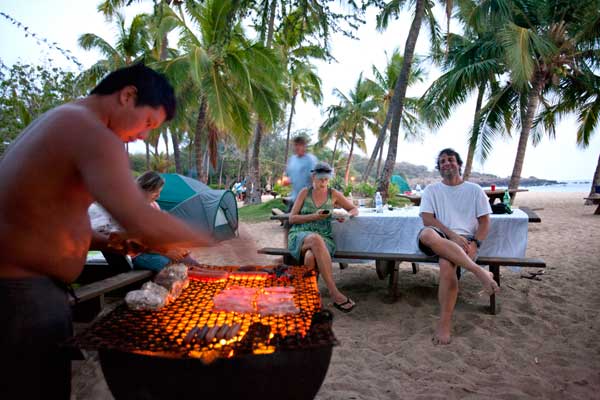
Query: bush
point(283, 191)
point(366, 190)
point(393, 199)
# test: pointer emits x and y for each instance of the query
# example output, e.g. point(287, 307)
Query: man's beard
point(449, 173)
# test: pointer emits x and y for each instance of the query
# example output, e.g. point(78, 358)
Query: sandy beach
point(543, 343)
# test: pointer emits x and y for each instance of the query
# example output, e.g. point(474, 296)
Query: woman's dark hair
point(449, 152)
point(153, 88)
point(150, 181)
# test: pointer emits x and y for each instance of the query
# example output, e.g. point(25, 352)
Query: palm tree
point(357, 110)
point(131, 45)
point(235, 77)
point(422, 10)
point(301, 75)
point(332, 128)
point(545, 44)
point(382, 88)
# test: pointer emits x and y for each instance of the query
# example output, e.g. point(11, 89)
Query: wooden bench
point(594, 200)
point(87, 299)
point(388, 263)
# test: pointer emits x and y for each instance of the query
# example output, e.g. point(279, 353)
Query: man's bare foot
point(489, 284)
point(442, 335)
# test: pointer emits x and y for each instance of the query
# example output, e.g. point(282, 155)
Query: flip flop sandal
point(340, 307)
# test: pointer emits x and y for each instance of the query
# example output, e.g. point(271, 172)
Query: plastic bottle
point(350, 198)
point(378, 202)
point(506, 200)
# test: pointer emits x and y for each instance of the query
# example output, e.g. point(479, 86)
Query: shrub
point(281, 190)
point(366, 190)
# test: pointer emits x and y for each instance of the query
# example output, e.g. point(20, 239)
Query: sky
point(63, 21)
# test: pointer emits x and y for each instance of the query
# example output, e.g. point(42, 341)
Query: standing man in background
point(299, 168)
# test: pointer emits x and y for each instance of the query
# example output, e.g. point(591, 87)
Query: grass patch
point(259, 212)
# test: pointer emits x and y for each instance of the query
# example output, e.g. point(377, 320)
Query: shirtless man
point(456, 219)
point(64, 160)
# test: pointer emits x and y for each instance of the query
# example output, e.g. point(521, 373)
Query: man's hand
point(119, 243)
point(461, 241)
point(472, 251)
point(177, 254)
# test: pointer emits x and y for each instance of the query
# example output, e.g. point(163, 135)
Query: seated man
point(456, 218)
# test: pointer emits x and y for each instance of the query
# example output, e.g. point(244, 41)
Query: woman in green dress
point(311, 234)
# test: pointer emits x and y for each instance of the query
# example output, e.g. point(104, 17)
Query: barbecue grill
point(168, 353)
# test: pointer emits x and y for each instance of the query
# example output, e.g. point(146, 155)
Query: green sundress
point(323, 227)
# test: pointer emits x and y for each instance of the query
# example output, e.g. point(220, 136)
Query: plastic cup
point(493, 187)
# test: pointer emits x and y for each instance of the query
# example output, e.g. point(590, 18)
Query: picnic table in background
point(491, 194)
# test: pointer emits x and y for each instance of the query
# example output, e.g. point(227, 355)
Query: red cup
point(493, 187)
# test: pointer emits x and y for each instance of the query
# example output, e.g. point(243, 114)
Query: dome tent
point(212, 210)
point(400, 182)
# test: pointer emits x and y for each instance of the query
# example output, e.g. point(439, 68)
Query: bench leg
point(597, 212)
point(415, 268)
point(392, 268)
point(494, 269)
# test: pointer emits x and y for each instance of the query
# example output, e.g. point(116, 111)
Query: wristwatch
point(477, 242)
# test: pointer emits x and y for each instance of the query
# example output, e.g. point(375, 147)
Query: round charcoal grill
point(148, 354)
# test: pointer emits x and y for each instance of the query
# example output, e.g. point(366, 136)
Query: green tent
point(214, 211)
point(400, 182)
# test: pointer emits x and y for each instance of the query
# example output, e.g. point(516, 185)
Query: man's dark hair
point(449, 152)
point(300, 140)
point(150, 181)
point(153, 88)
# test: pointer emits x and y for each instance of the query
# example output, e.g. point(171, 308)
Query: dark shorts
point(424, 248)
point(35, 319)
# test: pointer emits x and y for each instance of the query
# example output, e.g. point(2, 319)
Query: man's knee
point(428, 236)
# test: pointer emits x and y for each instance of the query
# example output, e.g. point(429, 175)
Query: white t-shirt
point(457, 207)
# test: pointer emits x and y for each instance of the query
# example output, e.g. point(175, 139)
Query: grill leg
point(495, 269)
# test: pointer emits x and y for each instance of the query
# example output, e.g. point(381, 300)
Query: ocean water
point(568, 186)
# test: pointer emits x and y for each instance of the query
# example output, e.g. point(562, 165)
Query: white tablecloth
point(396, 232)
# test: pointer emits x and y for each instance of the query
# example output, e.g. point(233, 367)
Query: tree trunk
point(221, 171)
point(271, 28)
point(289, 128)
point(176, 152)
point(379, 160)
point(474, 135)
point(147, 155)
point(206, 170)
point(337, 140)
point(347, 173)
point(165, 136)
point(378, 146)
point(200, 127)
point(533, 100)
point(253, 180)
point(397, 105)
point(595, 182)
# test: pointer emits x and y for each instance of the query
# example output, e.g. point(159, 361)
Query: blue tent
point(214, 211)
point(400, 182)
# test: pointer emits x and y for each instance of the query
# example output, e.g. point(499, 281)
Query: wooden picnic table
point(491, 194)
point(594, 200)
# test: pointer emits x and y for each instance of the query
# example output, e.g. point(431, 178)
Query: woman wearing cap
point(311, 232)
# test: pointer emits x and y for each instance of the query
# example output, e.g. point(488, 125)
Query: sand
point(543, 343)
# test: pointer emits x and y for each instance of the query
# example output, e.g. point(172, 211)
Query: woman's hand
point(322, 214)
point(353, 212)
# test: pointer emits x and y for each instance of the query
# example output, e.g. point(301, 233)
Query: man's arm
point(484, 227)
point(99, 157)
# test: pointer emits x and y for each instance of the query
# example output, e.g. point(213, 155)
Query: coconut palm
point(545, 44)
point(301, 75)
point(237, 78)
point(131, 45)
point(422, 11)
point(333, 129)
point(382, 88)
point(357, 111)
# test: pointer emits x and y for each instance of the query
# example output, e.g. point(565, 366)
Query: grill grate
point(166, 332)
